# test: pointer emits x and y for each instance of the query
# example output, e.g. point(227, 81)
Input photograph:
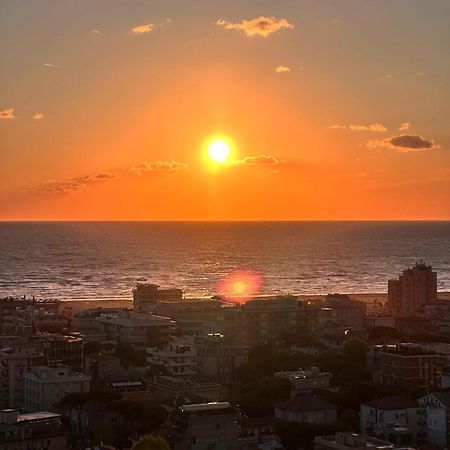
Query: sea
point(104, 260)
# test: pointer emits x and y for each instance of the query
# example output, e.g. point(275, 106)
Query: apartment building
point(45, 386)
point(145, 295)
point(305, 381)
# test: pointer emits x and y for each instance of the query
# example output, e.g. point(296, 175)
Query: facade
point(41, 430)
point(348, 440)
point(14, 363)
point(218, 358)
point(405, 364)
point(63, 350)
point(344, 311)
point(438, 417)
point(416, 287)
point(396, 419)
point(137, 330)
point(304, 381)
point(45, 386)
point(262, 321)
point(209, 425)
point(306, 409)
point(178, 358)
point(378, 320)
point(145, 295)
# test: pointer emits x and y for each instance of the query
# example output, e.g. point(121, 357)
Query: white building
point(178, 358)
point(137, 330)
point(437, 410)
point(306, 380)
point(348, 440)
point(396, 418)
point(45, 386)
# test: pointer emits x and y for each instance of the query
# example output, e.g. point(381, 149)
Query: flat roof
point(213, 406)
point(41, 415)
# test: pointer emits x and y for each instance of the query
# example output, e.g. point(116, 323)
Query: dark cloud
point(404, 143)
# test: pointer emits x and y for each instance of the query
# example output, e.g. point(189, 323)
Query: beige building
point(348, 440)
point(45, 386)
point(306, 380)
point(145, 295)
point(416, 287)
point(40, 430)
point(14, 363)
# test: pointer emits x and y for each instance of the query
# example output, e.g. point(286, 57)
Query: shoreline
point(83, 304)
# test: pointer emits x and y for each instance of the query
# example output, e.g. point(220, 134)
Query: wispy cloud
point(282, 69)
point(377, 127)
point(49, 65)
point(404, 126)
point(7, 113)
point(144, 28)
point(404, 143)
point(38, 116)
point(259, 26)
point(158, 166)
point(258, 160)
point(95, 33)
point(70, 185)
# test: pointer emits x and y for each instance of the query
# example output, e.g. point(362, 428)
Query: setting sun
point(219, 151)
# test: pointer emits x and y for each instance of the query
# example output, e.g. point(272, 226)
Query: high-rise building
point(417, 286)
point(146, 294)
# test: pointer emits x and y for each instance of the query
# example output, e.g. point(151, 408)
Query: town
point(281, 372)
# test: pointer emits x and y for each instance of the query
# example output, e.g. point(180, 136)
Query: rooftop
point(392, 403)
point(200, 407)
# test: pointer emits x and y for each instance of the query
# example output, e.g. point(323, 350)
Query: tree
point(150, 442)
point(357, 349)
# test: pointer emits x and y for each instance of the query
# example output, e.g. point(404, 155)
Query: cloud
point(404, 126)
point(404, 143)
point(259, 160)
point(158, 166)
point(38, 116)
point(282, 69)
point(142, 29)
point(7, 113)
point(378, 127)
point(70, 185)
point(259, 26)
point(51, 66)
point(95, 33)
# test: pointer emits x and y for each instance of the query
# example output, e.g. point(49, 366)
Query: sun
point(219, 151)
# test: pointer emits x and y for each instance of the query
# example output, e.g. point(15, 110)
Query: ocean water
point(95, 260)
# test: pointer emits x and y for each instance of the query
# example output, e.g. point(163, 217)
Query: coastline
point(80, 305)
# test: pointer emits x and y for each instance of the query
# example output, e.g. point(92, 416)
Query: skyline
point(334, 111)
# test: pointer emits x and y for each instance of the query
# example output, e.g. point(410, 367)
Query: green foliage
point(132, 411)
point(150, 442)
point(130, 357)
point(357, 349)
point(257, 399)
point(301, 435)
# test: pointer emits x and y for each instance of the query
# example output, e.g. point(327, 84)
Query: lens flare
point(239, 286)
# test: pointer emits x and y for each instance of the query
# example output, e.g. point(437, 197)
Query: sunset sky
point(333, 109)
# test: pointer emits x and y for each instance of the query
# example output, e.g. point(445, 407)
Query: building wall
point(320, 416)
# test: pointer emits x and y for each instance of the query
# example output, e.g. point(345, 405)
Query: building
point(170, 389)
point(45, 386)
point(378, 320)
point(306, 409)
point(40, 430)
point(437, 406)
point(348, 440)
point(404, 364)
point(218, 357)
point(416, 287)
point(104, 367)
point(305, 381)
point(178, 359)
point(396, 419)
point(14, 363)
point(136, 331)
point(145, 295)
point(344, 311)
point(209, 425)
point(263, 321)
point(65, 350)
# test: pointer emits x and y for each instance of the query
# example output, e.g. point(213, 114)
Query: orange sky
point(328, 120)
